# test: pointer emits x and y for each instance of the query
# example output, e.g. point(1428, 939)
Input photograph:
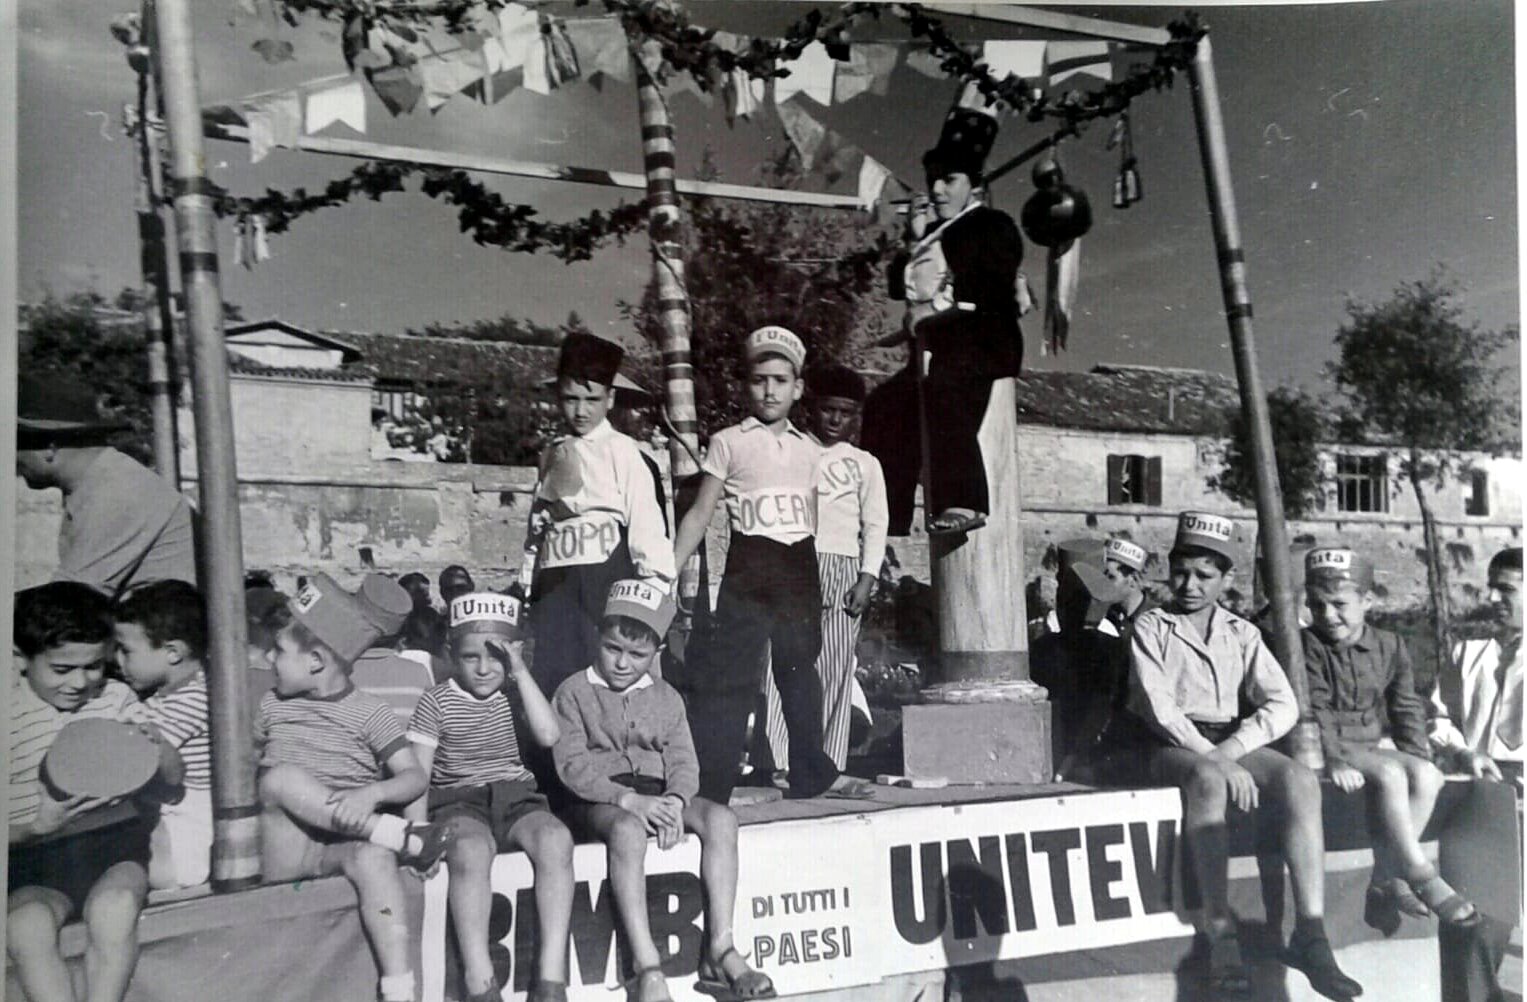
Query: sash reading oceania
point(576, 542)
point(783, 513)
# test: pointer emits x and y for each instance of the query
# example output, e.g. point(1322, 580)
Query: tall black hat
point(964, 143)
point(589, 359)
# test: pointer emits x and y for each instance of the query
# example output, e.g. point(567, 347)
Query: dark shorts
point(1128, 756)
point(498, 806)
point(72, 865)
point(576, 813)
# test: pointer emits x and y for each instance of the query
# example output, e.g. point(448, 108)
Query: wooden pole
point(1304, 742)
point(235, 804)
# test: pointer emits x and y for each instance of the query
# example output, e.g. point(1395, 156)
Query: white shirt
point(589, 487)
point(1470, 712)
point(852, 514)
point(770, 479)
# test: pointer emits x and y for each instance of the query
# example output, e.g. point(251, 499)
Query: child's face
point(1121, 574)
point(773, 388)
point(832, 418)
point(1338, 611)
point(1506, 599)
point(584, 404)
point(477, 671)
point(296, 669)
point(68, 676)
point(144, 666)
point(1196, 582)
point(621, 661)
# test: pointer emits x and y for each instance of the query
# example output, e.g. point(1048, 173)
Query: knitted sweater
point(641, 731)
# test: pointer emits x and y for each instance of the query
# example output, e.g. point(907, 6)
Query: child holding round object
point(626, 754)
point(464, 734)
point(1210, 699)
point(1373, 730)
point(770, 606)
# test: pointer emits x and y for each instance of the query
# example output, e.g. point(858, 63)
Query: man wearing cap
point(123, 523)
point(959, 278)
point(381, 671)
point(595, 518)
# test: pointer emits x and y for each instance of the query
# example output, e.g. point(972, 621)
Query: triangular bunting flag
point(882, 63)
point(537, 66)
point(853, 78)
point(261, 133)
point(601, 46)
point(811, 75)
point(517, 27)
point(1067, 59)
point(397, 87)
point(344, 103)
point(925, 62)
point(806, 134)
point(1018, 57)
point(872, 178)
point(447, 75)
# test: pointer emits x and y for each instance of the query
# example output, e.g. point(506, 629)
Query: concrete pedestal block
point(1006, 742)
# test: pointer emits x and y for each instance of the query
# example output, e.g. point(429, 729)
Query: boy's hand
point(1482, 766)
point(511, 655)
point(53, 813)
point(1344, 777)
point(858, 597)
point(1243, 788)
point(353, 808)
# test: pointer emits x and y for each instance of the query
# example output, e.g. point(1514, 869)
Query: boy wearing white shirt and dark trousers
point(852, 522)
point(771, 600)
point(595, 519)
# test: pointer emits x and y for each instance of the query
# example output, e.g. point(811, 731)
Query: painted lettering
point(1022, 888)
point(1057, 845)
point(1103, 873)
point(975, 887)
point(1154, 874)
point(809, 946)
point(921, 921)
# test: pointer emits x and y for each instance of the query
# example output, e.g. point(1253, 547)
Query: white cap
point(485, 612)
point(774, 340)
point(642, 601)
point(1126, 553)
point(1210, 532)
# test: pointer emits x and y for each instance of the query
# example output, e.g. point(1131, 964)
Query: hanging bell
point(1055, 216)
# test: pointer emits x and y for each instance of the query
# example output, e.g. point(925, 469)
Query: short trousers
point(1128, 756)
point(576, 814)
point(72, 865)
point(498, 806)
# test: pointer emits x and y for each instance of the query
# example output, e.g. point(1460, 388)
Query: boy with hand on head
point(1373, 733)
point(161, 644)
point(331, 758)
point(464, 735)
point(71, 855)
point(771, 599)
point(1210, 699)
point(1124, 564)
point(595, 519)
point(626, 753)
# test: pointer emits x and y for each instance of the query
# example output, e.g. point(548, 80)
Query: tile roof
point(245, 366)
point(394, 358)
point(1130, 398)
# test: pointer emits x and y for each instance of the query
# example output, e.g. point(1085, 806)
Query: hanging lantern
point(1056, 213)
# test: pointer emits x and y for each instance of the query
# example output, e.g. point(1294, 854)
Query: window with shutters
point(1476, 493)
point(1134, 480)
point(1362, 483)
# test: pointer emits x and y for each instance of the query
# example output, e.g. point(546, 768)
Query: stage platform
point(1055, 893)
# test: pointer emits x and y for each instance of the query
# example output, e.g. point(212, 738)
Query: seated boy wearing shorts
point(1209, 700)
point(1373, 733)
point(627, 754)
point(161, 642)
point(71, 856)
point(464, 735)
point(331, 758)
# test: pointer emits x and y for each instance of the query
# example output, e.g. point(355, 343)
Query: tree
point(1300, 426)
point(1418, 377)
point(508, 328)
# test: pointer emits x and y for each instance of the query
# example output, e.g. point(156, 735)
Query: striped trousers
point(835, 666)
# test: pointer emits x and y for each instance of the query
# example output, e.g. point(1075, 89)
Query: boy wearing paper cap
point(464, 734)
point(771, 598)
point(625, 751)
point(1209, 699)
point(595, 518)
point(1124, 563)
point(332, 757)
point(71, 856)
point(1373, 732)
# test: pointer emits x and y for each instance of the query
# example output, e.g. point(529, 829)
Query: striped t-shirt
point(474, 739)
point(34, 725)
point(180, 714)
point(342, 741)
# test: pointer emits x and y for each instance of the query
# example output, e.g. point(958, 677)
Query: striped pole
point(235, 804)
point(663, 221)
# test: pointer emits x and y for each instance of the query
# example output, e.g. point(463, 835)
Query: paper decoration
point(601, 46)
point(872, 178)
point(344, 103)
point(561, 59)
point(537, 66)
point(445, 76)
point(1067, 59)
point(811, 75)
point(398, 87)
point(741, 95)
point(1062, 272)
point(925, 62)
point(882, 63)
point(1020, 58)
point(806, 134)
point(517, 28)
point(852, 78)
point(274, 121)
point(250, 243)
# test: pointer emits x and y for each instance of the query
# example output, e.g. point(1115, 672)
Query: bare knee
point(627, 838)
point(1298, 788)
point(717, 822)
point(1205, 790)
point(471, 853)
point(551, 845)
point(1425, 778)
point(276, 781)
point(111, 912)
point(1388, 777)
point(31, 931)
point(370, 864)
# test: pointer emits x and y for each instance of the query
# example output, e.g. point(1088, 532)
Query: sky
point(1370, 143)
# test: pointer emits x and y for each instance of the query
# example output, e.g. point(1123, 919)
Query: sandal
point(949, 524)
point(711, 979)
point(645, 977)
point(1227, 970)
point(1450, 906)
point(434, 841)
point(1381, 910)
point(1405, 899)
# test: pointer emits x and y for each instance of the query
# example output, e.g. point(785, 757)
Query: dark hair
point(59, 613)
point(1187, 551)
point(1509, 559)
point(258, 579)
point(423, 630)
point(631, 629)
point(281, 617)
point(457, 571)
point(167, 610)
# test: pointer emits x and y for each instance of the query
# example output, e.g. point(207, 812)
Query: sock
point(391, 832)
point(1308, 927)
point(398, 987)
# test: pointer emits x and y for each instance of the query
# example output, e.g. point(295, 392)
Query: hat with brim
point(486, 612)
point(628, 393)
point(589, 359)
point(1085, 582)
point(1081, 550)
point(59, 408)
point(339, 619)
point(643, 601)
point(1331, 566)
point(96, 757)
point(1214, 533)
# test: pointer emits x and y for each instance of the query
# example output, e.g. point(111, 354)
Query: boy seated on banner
point(72, 856)
point(1206, 700)
point(161, 645)
point(1373, 732)
point(626, 754)
point(464, 734)
point(332, 759)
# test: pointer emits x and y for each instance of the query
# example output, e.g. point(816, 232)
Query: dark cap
point(836, 381)
point(589, 359)
point(57, 406)
point(964, 143)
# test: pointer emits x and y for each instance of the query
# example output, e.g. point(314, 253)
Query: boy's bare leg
point(1205, 798)
point(1393, 806)
point(1293, 793)
point(625, 842)
point(111, 918)
point(716, 827)
point(470, 858)
point(34, 915)
point(302, 797)
point(550, 848)
point(383, 907)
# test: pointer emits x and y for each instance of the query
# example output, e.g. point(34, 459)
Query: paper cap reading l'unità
point(485, 612)
point(642, 601)
point(1214, 533)
point(336, 617)
point(1330, 565)
point(774, 340)
point(1129, 554)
